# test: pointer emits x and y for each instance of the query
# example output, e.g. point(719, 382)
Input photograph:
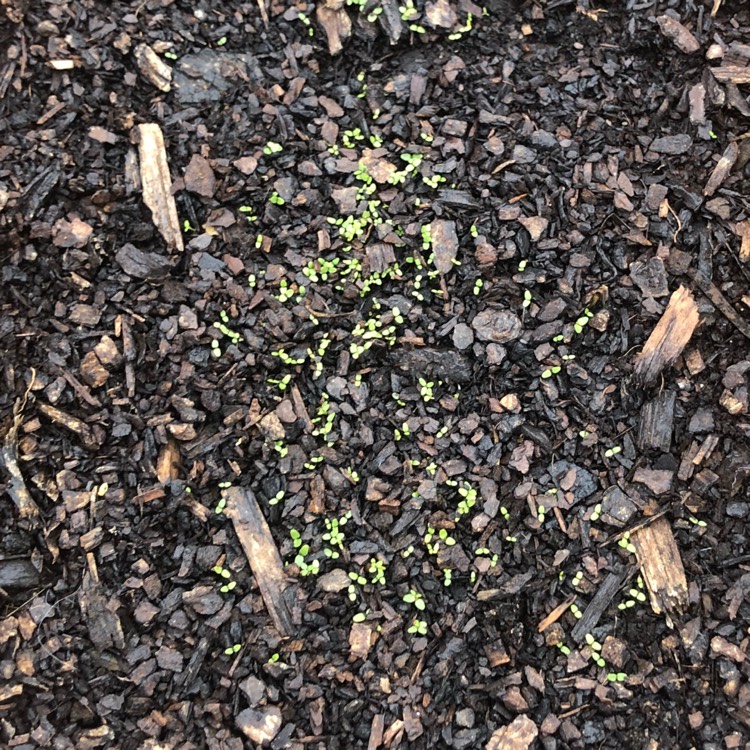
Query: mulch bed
point(394, 396)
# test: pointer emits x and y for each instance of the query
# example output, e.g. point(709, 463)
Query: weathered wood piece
point(722, 169)
point(669, 337)
point(597, 606)
point(661, 566)
point(17, 489)
point(278, 592)
point(103, 624)
point(518, 735)
point(731, 73)
point(657, 418)
point(85, 432)
point(157, 184)
point(332, 16)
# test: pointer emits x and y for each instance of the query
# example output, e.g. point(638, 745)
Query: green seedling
point(187, 227)
point(550, 371)
point(376, 569)
point(577, 578)
point(219, 509)
point(478, 284)
point(576, 612)
point(249, 212)
point(426, 390)
point(418, 627)
point(359, 617)
point(447, 577)
point(272, 148)
point(221, 41)
point(415, 598)
point(696, 522)
point(617, 677)
point(277, 498)
point(526, 299)
point(280, 448)
point(276, 199)
point(522, 265)
point(334, 535)
point(232, 650)
point(274, 658)
point(596, 513)
point(540, 513)
point(626, 544)
point(610, 452)
point(583, 321)
point(469, 498)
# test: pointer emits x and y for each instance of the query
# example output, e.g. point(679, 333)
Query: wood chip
point(518, 735)
point(85, 432)
point(657, 417)
point(731, 73)
point(16, 488)
point(661, 566)
point(722, 169)
point(334, 19)
point(742, 230)
point(199, 177)
point(444, 244)
point(669, 337)
point(153, 68)
point(360, 640)
point(278, 592)
point(597, 606)
point(168, 462)
point(674, 30)
point(157, 184)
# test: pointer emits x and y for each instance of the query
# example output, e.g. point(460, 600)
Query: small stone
point(199, 177)
point(203, 599)
point(702, 420)
point(651, 277)
point(187, 319)
point(463, 337)
point(169, 658)
point(496, 354)
point(335, 581)
point(672, 144)
point(518, 735)
point(465, 718)
point(617, 507)
point(498, 326)
point(254, 689)
point(659, 481)
point(259, 725)
point(737, 509)
point(534, 225)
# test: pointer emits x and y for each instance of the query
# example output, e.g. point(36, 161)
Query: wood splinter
point(279, 593)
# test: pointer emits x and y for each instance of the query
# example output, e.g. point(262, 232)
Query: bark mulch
point(374, 375)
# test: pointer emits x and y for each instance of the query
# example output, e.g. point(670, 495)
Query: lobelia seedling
point(415, 598)
point(418, 627)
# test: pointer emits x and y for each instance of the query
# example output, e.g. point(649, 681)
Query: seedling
point(610, 452)
point(469, 499)
point(576, 611)
point(626, 544)
point(276, 199)
point(447, 577)
point(617, 677)
point(359, 617)
point(272, 148)
point(540, 513)
point(526, 299)
point(425, 390)
point(415, 598)
point(280, 448)
point(577, 578)
point(231, 650)
point(550, 371)
point(334, 535)
point(418, 626)
point(277, 498)
point(597, 512)
point(522, 265)
point(376, 568)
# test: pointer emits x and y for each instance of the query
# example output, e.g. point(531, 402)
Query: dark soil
point(435, 353)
